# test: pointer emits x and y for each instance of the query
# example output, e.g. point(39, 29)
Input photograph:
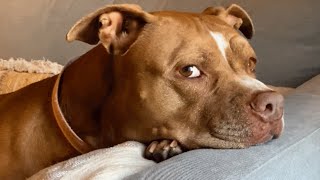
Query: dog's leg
point(162, 150)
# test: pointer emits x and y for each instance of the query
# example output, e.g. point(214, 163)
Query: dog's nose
point(268, 105)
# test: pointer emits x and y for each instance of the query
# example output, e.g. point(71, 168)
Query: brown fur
point(135, 92)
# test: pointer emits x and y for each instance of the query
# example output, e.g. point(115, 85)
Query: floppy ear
point(235, 16)
point(116, 26)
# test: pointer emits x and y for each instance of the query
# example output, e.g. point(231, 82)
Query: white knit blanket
point(113, 163)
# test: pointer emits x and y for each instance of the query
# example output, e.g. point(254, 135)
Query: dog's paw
point(162, 150)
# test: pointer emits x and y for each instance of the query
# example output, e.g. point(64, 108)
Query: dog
point(175, 81)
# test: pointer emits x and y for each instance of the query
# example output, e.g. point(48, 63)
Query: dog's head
point(183, 76)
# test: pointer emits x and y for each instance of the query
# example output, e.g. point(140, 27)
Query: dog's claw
point(162, 150)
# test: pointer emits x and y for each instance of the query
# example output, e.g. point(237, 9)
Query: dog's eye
point(190, 71)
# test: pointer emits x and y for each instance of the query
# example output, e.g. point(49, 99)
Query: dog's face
point(189, 77)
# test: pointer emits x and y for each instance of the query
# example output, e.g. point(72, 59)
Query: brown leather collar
point(67, 131)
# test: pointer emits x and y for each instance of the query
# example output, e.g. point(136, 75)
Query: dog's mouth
point(257, 134)
point(245, 141)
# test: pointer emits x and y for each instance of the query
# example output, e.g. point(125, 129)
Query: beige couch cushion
point(18, 73)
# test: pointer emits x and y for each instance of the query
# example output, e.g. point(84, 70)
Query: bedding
point(17, 73)
point(112, 163)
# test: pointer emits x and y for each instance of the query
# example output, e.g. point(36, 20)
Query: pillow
point(15, 74)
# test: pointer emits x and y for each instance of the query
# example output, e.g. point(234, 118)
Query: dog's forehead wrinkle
point(176, 51)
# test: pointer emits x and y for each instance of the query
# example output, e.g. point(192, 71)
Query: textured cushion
point(18, 73)
point(11, 81)
point(296, 155)
point(111, 163)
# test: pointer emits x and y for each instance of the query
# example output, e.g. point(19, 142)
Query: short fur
point(130, 87)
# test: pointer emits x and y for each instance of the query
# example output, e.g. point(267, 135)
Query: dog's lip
point(276, 134)
point(264, 138)
point(229, 138)
point(256, 116)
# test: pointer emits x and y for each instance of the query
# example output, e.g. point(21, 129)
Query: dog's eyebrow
point(175, 51)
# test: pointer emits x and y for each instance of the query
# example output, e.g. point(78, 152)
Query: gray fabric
point(296, 155)
point(311, 87)
point(287, 38)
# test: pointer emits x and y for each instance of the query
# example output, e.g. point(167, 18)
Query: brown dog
point(184, 79)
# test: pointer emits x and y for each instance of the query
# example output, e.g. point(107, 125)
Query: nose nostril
point(269, 107)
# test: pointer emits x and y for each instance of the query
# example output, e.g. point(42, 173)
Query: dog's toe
point(162, 150)
point(175, 149)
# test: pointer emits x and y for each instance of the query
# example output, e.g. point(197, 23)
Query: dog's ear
point(235, 16)
point(116, 26)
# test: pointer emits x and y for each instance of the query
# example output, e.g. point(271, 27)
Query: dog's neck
point(84, 85)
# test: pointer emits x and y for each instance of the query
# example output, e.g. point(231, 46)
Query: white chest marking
point(221, 42)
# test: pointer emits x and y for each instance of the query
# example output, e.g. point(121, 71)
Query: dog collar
point(67, 131)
